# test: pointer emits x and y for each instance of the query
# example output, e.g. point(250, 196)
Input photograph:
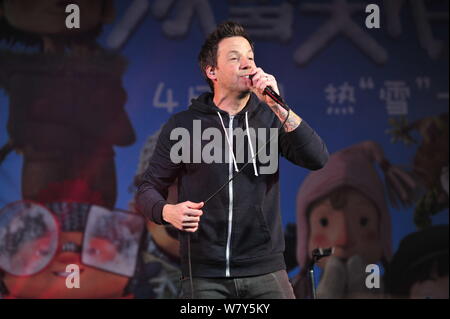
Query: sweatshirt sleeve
point(161, 173)
point(304, 147)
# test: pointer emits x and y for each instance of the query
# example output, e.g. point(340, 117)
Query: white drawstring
point(249, 142)
point(229, 143)
point(251, 146)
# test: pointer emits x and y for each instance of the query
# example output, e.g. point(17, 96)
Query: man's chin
point(244, 94)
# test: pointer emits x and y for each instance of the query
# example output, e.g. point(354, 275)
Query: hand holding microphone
point(183, 216)
point(266, 88)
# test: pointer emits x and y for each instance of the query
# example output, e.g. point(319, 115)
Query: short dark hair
point(208, 53)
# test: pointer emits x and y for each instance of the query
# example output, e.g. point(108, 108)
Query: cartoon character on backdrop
point(34, 251)
point(66, 100)
point(343, 207)
point(166, 247)
point(430, 162)
point(38, 241)
point(419, 268)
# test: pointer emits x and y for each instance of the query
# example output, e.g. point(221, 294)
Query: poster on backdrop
point(89, 90)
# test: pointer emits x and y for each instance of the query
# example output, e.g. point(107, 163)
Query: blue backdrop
point(342, 90)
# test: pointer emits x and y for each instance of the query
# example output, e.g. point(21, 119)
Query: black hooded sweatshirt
point(240, 231)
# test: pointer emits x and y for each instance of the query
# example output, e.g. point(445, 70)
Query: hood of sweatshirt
point(205, 104)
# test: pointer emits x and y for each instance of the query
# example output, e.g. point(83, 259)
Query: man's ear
point(109, 12)
point(211, 73)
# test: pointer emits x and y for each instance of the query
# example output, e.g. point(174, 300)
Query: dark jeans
point(274, 285)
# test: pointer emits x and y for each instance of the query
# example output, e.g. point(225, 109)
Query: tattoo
point(292, 122)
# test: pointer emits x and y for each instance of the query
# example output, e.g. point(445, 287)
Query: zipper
point(230, 195)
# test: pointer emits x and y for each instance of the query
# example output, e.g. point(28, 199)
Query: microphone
point(272, 94)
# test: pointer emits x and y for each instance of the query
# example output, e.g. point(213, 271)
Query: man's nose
point(245, 64)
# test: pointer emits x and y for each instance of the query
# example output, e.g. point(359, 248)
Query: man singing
point(232, 243)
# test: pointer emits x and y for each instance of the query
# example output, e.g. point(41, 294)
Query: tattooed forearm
point(292, 122)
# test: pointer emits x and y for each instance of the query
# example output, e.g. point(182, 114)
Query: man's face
point(47, 17)
point(351, 230)
point(235, 61)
